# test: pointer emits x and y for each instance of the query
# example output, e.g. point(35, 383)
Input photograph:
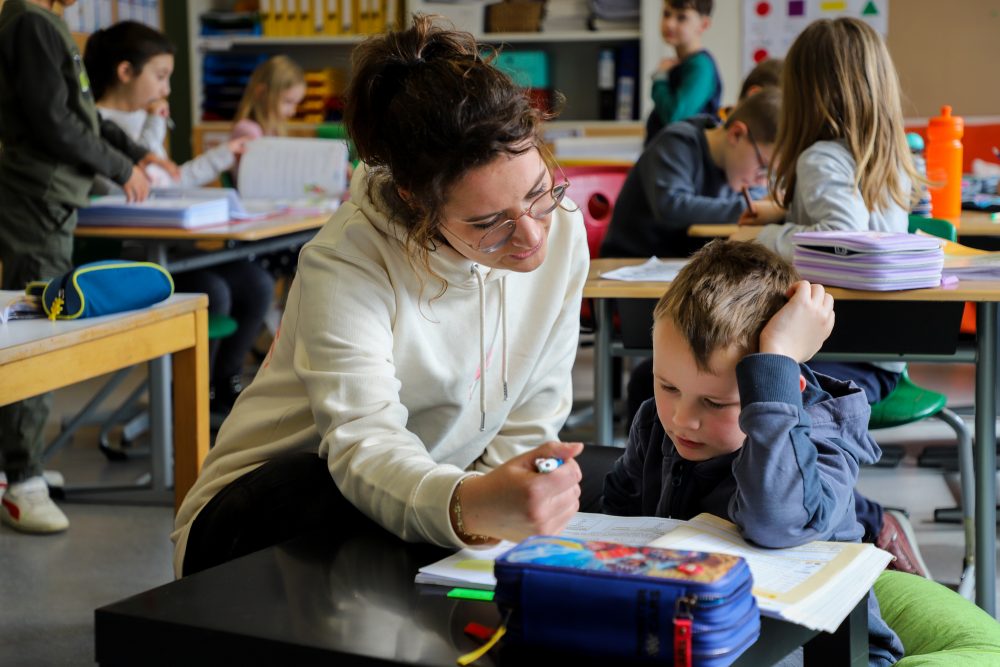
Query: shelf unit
point(572, 56)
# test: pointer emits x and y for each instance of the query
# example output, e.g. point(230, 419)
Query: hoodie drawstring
point(482, 347)
point(482, 341)
point(503, 331)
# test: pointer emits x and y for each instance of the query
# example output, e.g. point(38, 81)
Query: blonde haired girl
point(841, 161)
point(273, 93)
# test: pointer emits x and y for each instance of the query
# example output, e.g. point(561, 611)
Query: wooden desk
point(335, 600)
point(985, 294)
point(37, 356)
point(237, 239)
point(971, 223)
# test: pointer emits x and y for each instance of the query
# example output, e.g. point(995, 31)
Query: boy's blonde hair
point(724, 296)
point(839, 83)
point(263, 93)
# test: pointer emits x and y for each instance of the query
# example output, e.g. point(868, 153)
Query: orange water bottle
point(944, 164)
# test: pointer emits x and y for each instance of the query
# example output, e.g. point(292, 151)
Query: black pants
point(36, 243)
point(294, 494)
point(242, 290)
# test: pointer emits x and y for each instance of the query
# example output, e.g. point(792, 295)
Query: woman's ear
point(124, 71)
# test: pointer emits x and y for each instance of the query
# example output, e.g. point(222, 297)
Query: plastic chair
point(909, 403)
point(594, 188)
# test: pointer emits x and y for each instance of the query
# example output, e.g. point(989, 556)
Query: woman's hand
point(766, 212)
point(799, 328)
point(163, 163)
point(516, 501)
point(137, 186)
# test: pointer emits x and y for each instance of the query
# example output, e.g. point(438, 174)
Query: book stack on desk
point(158, 211)
point(878, 261)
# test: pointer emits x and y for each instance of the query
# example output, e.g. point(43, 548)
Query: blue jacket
point(790, 483)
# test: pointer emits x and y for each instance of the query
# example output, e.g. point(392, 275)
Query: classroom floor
point(50, 586)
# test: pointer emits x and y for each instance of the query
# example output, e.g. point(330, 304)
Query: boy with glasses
point(692, 173)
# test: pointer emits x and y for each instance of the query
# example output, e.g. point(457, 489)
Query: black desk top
point(317, 599)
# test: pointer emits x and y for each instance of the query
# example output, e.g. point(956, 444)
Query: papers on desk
point(167, 210)
point(293, 169)
point(815, 585)
point(973, 267)
point(15, 305)
point(653, 270)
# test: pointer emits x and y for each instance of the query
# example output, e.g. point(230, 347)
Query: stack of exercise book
point(880, 261)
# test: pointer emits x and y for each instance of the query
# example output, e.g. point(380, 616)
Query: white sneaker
point(27, 507)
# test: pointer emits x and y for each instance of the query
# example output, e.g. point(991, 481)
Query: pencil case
point(617, 601)
point(103, 288)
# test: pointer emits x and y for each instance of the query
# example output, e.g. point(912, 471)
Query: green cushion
point(220, 326)
point(937, 626)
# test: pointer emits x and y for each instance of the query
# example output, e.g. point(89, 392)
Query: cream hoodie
point(387, 383)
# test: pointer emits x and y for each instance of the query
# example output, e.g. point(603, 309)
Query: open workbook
point(815, 585)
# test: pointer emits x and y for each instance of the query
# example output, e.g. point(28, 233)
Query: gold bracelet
point(456, 509)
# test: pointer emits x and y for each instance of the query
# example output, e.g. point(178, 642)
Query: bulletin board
point(945, 52)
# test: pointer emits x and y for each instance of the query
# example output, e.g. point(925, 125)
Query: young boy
point(764, 74)
point(738, 426)
point(692, 173)
point(53, 145)
point(690, 83)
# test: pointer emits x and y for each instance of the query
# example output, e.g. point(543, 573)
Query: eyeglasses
point(497, 235)
point(761, 165)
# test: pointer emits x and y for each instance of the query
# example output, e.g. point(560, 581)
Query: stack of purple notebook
point(869, 260)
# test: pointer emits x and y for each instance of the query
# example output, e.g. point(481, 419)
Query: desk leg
point(847, 646)
point(986, 513)
point(191, 409)
point(161, 428)
point(603, 391)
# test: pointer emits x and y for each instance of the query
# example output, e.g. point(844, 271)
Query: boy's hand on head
point(800, 327)
point(165, 164)
point(137, 186)
point(767, 212)
point(516, 501)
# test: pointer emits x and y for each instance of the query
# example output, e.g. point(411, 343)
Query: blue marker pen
point(547, 465)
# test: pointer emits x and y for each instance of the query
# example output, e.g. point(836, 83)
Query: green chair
point(909, 403)
point(937, 627)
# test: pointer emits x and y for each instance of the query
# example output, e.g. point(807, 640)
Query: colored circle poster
point(770, 26)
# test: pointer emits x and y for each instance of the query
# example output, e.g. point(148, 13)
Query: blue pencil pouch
point(638, 603)
point(103, 288)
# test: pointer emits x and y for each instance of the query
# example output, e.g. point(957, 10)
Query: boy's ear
point(124, 71)
point(802, 383)
point(706, 23)
point(736, 131)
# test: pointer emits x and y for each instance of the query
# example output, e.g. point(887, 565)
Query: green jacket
point(52, 140)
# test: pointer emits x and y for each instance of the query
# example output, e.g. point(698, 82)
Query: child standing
point(690, 83)
point(131, 66)
point(842, 163)
point(53, 145)
point(738, 426)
